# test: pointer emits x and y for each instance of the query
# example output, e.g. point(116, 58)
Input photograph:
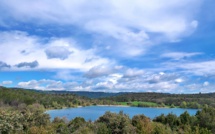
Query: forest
point(164, 99)
point(23, 111)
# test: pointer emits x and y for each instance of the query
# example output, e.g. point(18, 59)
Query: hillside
point(88, 94)
point(16, 97)
point(59, 99)
point(188, 100)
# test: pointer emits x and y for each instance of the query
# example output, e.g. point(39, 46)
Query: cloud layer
point(108, 45)
point(127, 26)
point(138, 81)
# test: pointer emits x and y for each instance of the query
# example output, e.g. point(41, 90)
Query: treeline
point(180, 100)
point(15, 97)
point(87, 94)
point(32, 120)
point(50, 100)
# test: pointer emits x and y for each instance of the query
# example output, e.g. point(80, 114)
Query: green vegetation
point(140, 104)
point(22, 111)
point(164, 99)
point(34, 121)
point(87, 94)
point(190, 124)
point(19, 97)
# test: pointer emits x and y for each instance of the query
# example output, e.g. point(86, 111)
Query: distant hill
point(92, 95)
point(17, 97)
point(88, 94)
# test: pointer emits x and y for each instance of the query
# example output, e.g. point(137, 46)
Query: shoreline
point(112, 105)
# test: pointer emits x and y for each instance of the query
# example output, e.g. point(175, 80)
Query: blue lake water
point(94, 112)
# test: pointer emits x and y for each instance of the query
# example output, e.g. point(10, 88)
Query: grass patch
point(140, 104)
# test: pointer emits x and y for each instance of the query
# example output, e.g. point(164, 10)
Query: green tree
point(76, 123)
point(117, 123)
point(10, 121)
point(41, 130)
point(60, 125)
point(159, 128)
point(171, 119)
point(185, 118)
point(101, 128)
point(143, 124)
point(206, 118)
point(183, 104)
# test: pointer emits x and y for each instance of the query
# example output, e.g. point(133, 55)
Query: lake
point(94, 112)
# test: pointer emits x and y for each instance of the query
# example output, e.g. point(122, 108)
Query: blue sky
point(108, 45)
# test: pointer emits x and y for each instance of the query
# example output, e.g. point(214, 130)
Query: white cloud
point(113, 82)
point(201, 68)
point(133, 73)
point(168, 82)
point(131, 24)
point(20, 49)
point(33, 84)
point(60, 52)
point(114, 78)
point(162, 77)
point(65, 75)
point(102, 70)
point(206, 83)
point(137, 80)
point(47, 84)
point(179, 80)
point(42, 84)
point(199, 87)
point(161, 73)
point(123, 28)
point(179, 55)
point(6, 82)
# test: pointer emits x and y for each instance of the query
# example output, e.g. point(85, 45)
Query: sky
point(108, 45)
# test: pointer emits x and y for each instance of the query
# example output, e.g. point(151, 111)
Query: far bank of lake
point(94, 112)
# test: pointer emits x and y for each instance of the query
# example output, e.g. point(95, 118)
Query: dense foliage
point(88, 94)
point(18, 97)
point(22, 111)
point(180, 100)
point(34, 121)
